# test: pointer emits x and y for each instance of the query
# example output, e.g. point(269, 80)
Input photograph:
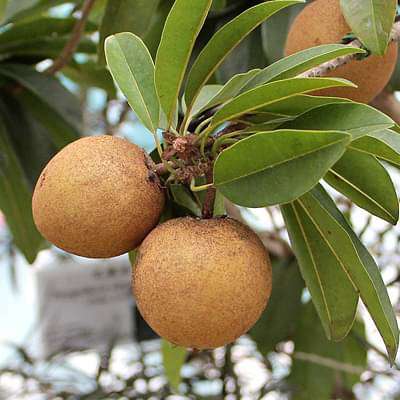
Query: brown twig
point(68, 51)
point(323, 69)
point(208, 205)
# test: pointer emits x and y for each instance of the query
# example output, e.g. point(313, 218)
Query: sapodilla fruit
point(322, 22)
point(201, 283)
point(97, 197)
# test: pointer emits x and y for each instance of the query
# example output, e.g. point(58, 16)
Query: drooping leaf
point(131, 66)
point(357, 261)
point(224, 41)
point(173, 360)
point(361, 178)
point(276, 167)
point(371, 21)
point(279, 319)
point(355, 118)
point(270, 93)
point(15, 200)
point(382, 144)
point(126, 16)
point(181, 29)
point(313, 374)
point(300, 62)
point(332, 292)
point(50, 102)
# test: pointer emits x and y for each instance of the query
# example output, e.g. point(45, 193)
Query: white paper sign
point(81, 303)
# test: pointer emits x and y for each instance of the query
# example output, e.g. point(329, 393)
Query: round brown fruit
point(97, 197)
point(202, 283)
point(322, 22)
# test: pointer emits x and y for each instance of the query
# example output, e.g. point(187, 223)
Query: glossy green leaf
point(15, 200)
point(180, 32)
point(313, 375)
point(126, 16)
point(230, 89)
point(362, 178)
point(382, 144)
point(278, 322)
point(173, 360)
point(357, 261)
point(218, 5)
point(132, 68)
point(270, 93)
point(276, 167)
point(224, 41)
point(332, 292)
point(300, 62)
point(296, 105)
point(3, 7)
point(50, 102)
point(357, 119)
point(371, 21)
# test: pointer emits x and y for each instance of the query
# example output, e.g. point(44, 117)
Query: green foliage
point(371, 21)
point(180, 32)
point(320, 366)
point(276, 167)
point(279, 320)
point(223, 42)
point(173, 359)
point(15, 200)
point(133, 69)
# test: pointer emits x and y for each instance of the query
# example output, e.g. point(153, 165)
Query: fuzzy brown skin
point(202, 283)
point(96, 198)
point(322, 22)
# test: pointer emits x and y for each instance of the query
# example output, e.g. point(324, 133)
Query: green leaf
point(357, 119)
point(382, 144)
point(132, 256)
point(126, 16)
point(3, 7)
point(295, 64)
point(218, 5)
point(181, 29)
point(357, 261)
point(230, 89)
point(50, 102)
point(371, 21)
point(332, 292)
point(18, 33)
point(279, 319)
point(296, 105)
point(132, 68)
point(89, 74)
point(15, 200)
point(361, 178)
point(276, 167)
point(224, 41)
point(173, 359)
point(183, 197)
point(315, 357)
point(270, 93)
point(206, 94)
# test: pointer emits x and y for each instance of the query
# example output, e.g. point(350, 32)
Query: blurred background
point(69, 328)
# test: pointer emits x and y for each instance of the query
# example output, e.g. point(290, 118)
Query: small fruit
point(97, 197)
point(202, 283)
point(322, 22)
